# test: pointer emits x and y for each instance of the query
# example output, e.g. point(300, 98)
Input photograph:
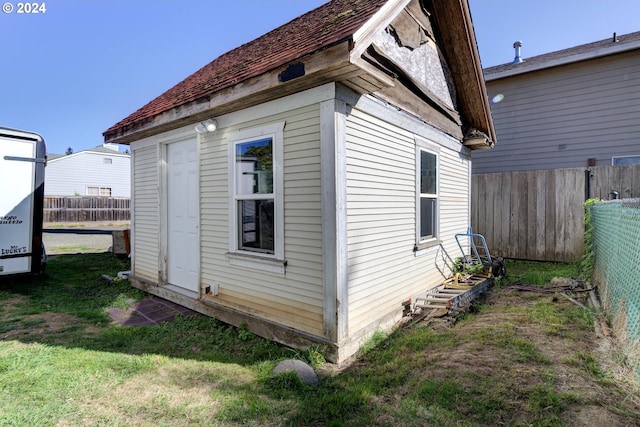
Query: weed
point(375, 340)
point(244, 334)
point(587, 263)
point(460, 266)
point(586, 362)
point(315, 357)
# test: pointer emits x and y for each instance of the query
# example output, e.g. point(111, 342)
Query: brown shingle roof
point(330, 23)
point(564, 54)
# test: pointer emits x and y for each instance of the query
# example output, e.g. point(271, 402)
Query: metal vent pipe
point(518, 59)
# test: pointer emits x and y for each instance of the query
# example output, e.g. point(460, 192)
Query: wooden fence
point(86, 209)
point(538, 215)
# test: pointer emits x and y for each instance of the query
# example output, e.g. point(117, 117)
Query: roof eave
point(320, 67)
point(461, 51)
point(524, 67)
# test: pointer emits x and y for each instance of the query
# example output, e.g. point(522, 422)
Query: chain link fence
point(616, 243)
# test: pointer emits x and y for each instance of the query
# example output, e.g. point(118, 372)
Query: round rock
point(304, 371)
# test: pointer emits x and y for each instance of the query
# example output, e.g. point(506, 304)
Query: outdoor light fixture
point(206, 126)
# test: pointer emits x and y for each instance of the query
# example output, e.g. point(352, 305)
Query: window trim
point(257, 259)
point(100, 191)
point(633, 156)
point(429, 147)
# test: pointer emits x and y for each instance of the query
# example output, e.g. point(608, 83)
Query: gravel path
point(71, 243)
point(76, 243)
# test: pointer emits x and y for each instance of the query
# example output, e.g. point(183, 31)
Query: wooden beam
point(401, 97)
point(377, 55)
point(461, 51)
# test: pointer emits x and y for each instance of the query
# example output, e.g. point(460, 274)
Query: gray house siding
point(71, 175)
point(562, 116)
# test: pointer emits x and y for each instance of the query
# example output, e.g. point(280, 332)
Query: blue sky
point(78, 68)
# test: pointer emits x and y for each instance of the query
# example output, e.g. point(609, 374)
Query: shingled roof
point(600, 48)
point(316, 30)
point(325, 45)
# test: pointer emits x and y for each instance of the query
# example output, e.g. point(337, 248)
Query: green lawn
point(515, 358)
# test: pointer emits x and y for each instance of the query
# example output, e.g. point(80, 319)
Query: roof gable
point(100, 150)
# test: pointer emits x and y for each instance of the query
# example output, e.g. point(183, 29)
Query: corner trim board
point(334, 214)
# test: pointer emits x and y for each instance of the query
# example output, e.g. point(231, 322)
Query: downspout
point(587, 184)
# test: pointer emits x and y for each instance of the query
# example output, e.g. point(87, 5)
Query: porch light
point(206, 126)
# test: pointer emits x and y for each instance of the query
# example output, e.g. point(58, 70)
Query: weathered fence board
point(538, 215)
point(86, 209)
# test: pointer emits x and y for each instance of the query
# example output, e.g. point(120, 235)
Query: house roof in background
point(97, 150)
point(318, 29)
point(583, 52)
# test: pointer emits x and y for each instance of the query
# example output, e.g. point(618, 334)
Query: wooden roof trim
point(461, 51)
point(364, 36)
point(242, 95)
point(541, 62)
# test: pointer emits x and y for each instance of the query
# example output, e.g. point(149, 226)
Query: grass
point(75, 249)
point(540, 273)
point(514, 359)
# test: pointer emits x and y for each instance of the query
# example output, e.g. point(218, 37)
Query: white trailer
point(22, 163)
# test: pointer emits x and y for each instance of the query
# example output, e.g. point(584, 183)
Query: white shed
point(308, 183)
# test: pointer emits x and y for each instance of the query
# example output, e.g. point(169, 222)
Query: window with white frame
point(99, 191)
point(625, 160)
point(257, 205)
point(427, 203)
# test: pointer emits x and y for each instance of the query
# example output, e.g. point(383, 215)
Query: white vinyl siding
point(562, 116)
point(384, 270)
point(145, 216)
point(74, 174)
point(295, 297)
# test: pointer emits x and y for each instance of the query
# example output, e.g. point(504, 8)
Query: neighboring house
point(576, 107)
point(325, 178)
point(100, 171)
point(565, 121)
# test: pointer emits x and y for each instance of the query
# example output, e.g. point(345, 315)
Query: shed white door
point(183, 251)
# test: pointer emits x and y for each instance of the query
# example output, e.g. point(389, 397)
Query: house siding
point(383, 268)
point(145, 221)
point(562, 116)
point(71, 175)
point(295, 298)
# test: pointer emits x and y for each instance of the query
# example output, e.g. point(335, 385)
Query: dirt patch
point(30, 327)
point(518, 342)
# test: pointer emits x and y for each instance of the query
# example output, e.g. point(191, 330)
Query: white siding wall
point(145, 211)
point(71, 175)
point(295, 298)
point(384, 271)
point(562, 116)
